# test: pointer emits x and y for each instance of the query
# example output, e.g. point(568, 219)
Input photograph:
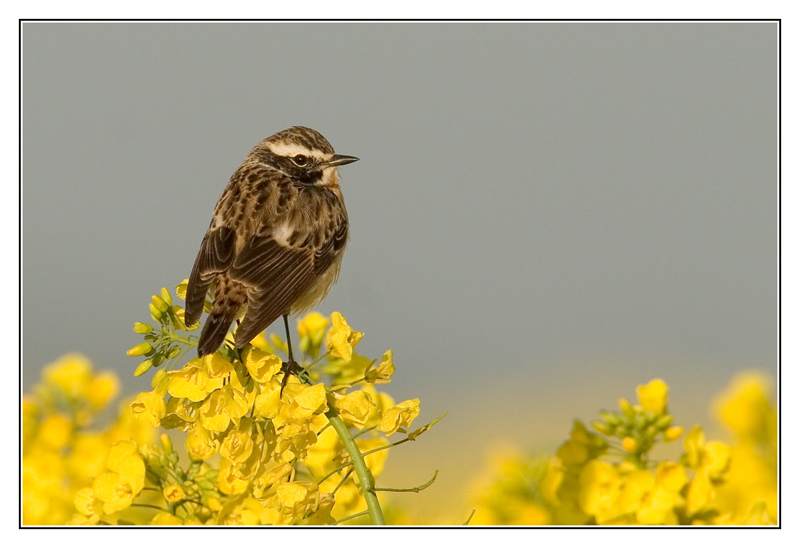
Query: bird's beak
point(340, 160)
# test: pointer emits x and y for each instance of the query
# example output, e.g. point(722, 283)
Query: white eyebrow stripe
point(293, 149)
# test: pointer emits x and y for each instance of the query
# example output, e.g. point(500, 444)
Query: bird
point(276, 240)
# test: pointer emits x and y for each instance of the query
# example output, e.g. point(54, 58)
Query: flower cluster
point(262, 449)
point(606, 475)
point(63, 447)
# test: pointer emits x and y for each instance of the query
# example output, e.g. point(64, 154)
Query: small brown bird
point(276, 239)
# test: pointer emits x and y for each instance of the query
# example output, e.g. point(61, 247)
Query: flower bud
point(173, 352)
point(142, 328)
point(629, 444)
point(663, 421)
point(160, 303)
point(143, 368)
point(673, 433)
point(603, 428)
point(612, 419)
point(166, 296)
point(140, 349)
point(626, 408)
point(166, 443)
point(160, 374)
point(155, 313)
point(173, 493)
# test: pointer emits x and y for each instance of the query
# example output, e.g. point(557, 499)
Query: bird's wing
point(275, 275)
point(215, 256)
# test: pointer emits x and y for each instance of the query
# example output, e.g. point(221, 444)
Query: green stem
point(364, 474)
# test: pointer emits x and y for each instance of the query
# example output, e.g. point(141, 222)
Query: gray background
point(545, 215)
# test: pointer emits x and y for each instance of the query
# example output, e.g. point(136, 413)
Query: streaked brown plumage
point(276, 239)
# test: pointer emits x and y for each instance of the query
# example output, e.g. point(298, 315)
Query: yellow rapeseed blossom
point(192, 382)
point(173, 493)
point(653, 396)
point(355, 407)
point(399, 416)
point(257, 454)
point(342, 339)
point(383, 372)
point(261, 365)
point(311, 329)
point(70, 374)
point(149, 406)
point(713, 483)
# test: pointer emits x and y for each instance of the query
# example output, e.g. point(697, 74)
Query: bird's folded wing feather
point(215, 256)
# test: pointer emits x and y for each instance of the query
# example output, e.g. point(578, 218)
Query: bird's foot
point(289, 368)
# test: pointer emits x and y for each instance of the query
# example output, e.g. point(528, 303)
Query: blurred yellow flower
point(745, 408)
point(173, 493)
point(653, 396)
point(70, 374)
point(311, 329)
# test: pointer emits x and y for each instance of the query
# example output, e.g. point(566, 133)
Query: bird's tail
point(226, 308)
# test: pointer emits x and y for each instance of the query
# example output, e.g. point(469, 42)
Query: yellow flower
point(70, 374)
point(599, 483)
point(634, 486)
point(582, 446)
point(653, 396)
point(237, 446)
point(305, 401)
point(399, 416)
point(312, 330)
point(271, 476)
point(746, 409)
point(200, 444)
point(221, 407)
point(55, 431)
point(229, 481)
point(699, 494)
point(711, 458)
point(268, 402)
point(217, 366)
point(383, 373)
point(261, 365)
point(294, 439)
point(86, 503)
point(322, 455)
point(150, 407)
point(192, 383)
point(102, 389)
point(165, 518)
point(342, 339)
point(297, 498)
point(180, 289)
point(355, 407)
point(245, 512)
point(671, 476)
point(174, 493)
point(117, 488)
point(376, 460)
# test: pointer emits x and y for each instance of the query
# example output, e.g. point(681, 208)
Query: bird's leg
point(291, 367)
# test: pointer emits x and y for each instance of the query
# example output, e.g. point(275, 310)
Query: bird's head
point(304, 155)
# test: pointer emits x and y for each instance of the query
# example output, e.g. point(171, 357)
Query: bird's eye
point(300, 160)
